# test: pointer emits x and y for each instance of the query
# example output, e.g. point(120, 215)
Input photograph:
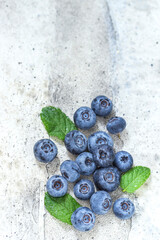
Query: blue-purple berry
point(123, 161)
point(116, 125)
point(102, 106)
point(123, 208)
point(86, 164)
point(84, 189)
point(103, 156)
point(70, 170)
point(83, 219)
point(84, 118)
point(101, 202)
point(75, 142)
point(57, 186)
point(107, 179)
point(99, 138)
point(45, 150)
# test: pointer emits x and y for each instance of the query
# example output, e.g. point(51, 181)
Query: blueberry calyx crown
point(101, 141)
point(108, 177)
point(87, 218)
point(124, 159)
point(85, 115)
point(125, 205)
point(104, 103)
point(105, 203)
point(79, 141)
point(102, 154)
point(57, 184)
point(84, 188)
point(47, 147)
point(88, 161)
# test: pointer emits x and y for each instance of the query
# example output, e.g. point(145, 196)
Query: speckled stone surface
point(64, 53)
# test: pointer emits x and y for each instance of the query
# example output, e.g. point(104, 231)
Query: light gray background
point(64, 53)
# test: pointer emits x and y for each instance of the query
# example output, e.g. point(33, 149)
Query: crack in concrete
point(112, 34)
point(113, 40)
point(41, 212)
point(130, 228)
point(115, 58)
point(47, 170)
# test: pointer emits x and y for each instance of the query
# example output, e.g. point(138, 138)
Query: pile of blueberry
point(95, 156)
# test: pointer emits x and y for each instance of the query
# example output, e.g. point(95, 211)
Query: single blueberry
point(116, 125)
point(83, 219)
point(101, 202)
point(84, 189)
point(102, 106)
point(75, 142)
point(107, 179)
point(98, 138)
point(86, 164)
point(123, 161)
point(123, 208)
point(57, 186)
point(45, 150)
point(103, 156)
point(84, 118)
point(70, 170)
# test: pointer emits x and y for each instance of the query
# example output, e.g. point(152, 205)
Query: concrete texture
point(64, 53)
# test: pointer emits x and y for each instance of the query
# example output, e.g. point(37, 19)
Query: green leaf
point(56, 122)
point(134, 178)
point(61, 207)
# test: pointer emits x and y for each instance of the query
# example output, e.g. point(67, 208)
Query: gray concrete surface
point(64, 53)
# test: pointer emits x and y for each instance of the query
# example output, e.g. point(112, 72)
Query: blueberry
point(86, 164)
point(84, 189)
point(75, 142)
point(57, 186)
point(103, 156)
point(70, 170)
point(102, 106)
point(101, 202)
point(123, 208)
point(116, 125)
point(99, 138)
point(45, 150)
point(123, 161)
point(84, 118)
point(83, 219)
point(107, 179)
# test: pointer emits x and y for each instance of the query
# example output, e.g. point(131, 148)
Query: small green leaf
point(61, 207)
point(134, 178)
point(56, 122)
